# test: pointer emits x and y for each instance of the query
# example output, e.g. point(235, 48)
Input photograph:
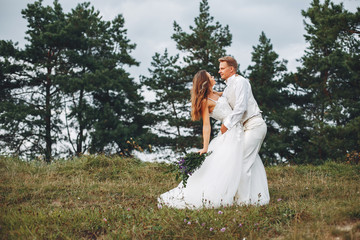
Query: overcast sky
point(150, 24)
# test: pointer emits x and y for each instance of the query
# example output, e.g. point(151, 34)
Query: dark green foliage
point(30, 120)
point(67, 92)
point(272, 94)
point(188, 164)
point(104, 101)
point(205, 43)
point(72, 68)
point(203, 46)
point(172, 80)
point(170, 110)
point(12, 108)
point(328, 81)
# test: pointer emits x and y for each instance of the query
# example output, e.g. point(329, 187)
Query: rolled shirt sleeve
point(241, 102)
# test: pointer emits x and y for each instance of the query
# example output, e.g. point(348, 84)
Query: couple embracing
point(233, 174)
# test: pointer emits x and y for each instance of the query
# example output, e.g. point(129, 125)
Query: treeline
point(67, 92)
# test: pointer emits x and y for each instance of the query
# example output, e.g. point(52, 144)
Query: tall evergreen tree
point(38, 94)
point(85, 27)
point(272, 94)
point(205, 43)
point(170, 109)
point(13, 109)
point(202, 48)
point(73, 66)
point(328, 80)
point(104, 100)
point(118, 105)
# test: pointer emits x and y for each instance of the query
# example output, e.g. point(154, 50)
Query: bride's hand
point(202, 151)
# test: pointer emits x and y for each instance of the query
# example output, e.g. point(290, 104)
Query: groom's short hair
point(230, 62)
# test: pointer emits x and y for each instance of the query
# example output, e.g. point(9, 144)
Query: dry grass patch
point(97, 197)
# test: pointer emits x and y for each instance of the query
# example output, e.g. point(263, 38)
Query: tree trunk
point(81, 124)
point(48, 119)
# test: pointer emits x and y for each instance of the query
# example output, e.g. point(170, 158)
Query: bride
point(216, 182)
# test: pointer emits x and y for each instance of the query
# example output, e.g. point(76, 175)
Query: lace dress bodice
point(221, 110)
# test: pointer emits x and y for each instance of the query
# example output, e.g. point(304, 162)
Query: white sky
point(150, 24)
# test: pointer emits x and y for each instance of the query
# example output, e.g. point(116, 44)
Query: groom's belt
point(256, 115)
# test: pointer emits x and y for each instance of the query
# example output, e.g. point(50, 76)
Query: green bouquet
point(188, 164)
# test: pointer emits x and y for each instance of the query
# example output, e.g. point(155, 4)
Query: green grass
point(97, 197)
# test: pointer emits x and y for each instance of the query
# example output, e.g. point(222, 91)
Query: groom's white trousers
point(253, 188)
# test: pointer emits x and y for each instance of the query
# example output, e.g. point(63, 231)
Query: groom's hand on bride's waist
point(223, 129)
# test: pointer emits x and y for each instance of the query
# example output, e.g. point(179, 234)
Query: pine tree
point(13, 109)
point(272, 94)
point(104, 102)
point(205, 43)
point(170, 109)
point(73, 66)
point(33, 126)
point(328, 79)
point(202, 48)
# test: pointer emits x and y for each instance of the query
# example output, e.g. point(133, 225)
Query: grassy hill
point(97, 197)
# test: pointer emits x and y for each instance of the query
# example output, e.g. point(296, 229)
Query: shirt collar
point(229, 80)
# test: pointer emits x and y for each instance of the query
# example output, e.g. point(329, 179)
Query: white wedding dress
point(216, 182)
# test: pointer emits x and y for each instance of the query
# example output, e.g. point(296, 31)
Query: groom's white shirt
point(240, 97)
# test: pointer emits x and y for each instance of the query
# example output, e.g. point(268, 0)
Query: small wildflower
point(159, 206)
point(203, 224)
point(240, 225)
point(220, 212)
point(189, 223)
point(256, 224)
point(105, 220)
point(185, 220)
point(223, 229)
point(211, 229)
point(128, 209)
point(279, 199)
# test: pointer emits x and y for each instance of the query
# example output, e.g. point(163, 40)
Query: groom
point(245, 111)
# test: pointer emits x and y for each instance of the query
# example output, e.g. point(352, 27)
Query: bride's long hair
point(200, 91)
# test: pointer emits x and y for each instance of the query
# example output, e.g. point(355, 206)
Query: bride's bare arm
point(206, 126)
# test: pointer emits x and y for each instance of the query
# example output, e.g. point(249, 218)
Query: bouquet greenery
point(189, 164)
